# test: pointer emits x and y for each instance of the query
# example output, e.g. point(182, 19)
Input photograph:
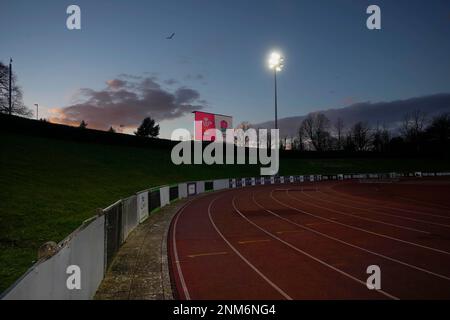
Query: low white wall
point(47, 280)
point(200, 187)
point(142, 205)
point(130, 215)
point(182, 190)
point(164, 195)
point(221, 184)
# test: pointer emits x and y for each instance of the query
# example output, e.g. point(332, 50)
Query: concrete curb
point(140, 269)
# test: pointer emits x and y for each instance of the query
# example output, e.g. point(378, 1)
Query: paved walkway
point(140, 269)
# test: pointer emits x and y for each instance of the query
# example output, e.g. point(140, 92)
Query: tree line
point(416, 133)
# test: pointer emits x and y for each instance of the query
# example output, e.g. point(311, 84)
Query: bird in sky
point(171, 36)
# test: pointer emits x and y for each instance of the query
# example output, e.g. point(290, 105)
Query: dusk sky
point(217, 59)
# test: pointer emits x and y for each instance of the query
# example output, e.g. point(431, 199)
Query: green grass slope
point(49, 186)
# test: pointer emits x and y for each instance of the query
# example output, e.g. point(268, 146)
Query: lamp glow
point(276, 61)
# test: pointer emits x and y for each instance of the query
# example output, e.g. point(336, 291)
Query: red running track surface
point(314, 241)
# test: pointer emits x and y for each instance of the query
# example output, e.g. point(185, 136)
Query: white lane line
point(307, 254)
point(273, 285)
point(349, 244)
point(426, 203)
point(174, 244)
point(340, 203)
point(374, 203)
point(362, 218)
point(357, 228)
point(383, 206)
point(177, 261)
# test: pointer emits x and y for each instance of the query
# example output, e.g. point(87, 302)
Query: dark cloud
point(170, 82)
point(186, 95)
point(126, 101)
point(390, 113)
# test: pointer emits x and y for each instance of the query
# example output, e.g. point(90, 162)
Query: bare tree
point(300, 146)
point(339, 127)
point(244, 125)
point(315, 129)
point(413, 125)
point(17, 105)
point(439, 130)
point(360, 134)
point(380, 138)
point(240, 135)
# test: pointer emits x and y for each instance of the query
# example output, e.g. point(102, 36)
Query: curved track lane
point(307, 242)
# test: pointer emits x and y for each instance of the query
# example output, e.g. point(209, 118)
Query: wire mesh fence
point(173, 193)
point(155, 199)
point(113, 230)
point(209, 185)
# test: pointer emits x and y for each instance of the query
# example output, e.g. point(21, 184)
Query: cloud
point(197, 76)
point(389, 113)
point(170, 82)
point(116, 83)
point(126, 101)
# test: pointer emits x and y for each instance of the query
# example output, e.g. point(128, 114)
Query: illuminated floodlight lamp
point(276, 61)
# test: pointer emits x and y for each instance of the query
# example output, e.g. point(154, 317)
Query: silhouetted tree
point(111, 129)
point(439, 130)
point(339, 127)
point(240, 135)
point(380, 139)
point(83, 125)
point(148, 128)
point(299, 145)
point(413, 127)
point(244, 125)
point(360, 135)
point(315, 129)
point(18, 107)
point(349, 144)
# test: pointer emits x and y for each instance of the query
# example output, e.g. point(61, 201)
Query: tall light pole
point(37, 111)
point(276, 63)
point(10, 87)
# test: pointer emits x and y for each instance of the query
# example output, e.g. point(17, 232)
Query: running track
point(314, 241)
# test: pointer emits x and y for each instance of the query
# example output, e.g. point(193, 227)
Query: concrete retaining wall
point(130, 214)
point(221, 184)
point(164, 196)
point(182, 190)
point(200, 187)
point(46, 280)
point(142, 205)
